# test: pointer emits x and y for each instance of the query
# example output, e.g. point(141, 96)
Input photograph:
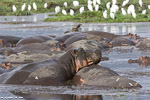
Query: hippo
point(142, 61)
point(63, 38)
point(144, 45)
point(123, 41)
point(51, 71)
point(96, 75)
point(9, 41)
point(30, 52)
point(35, 39)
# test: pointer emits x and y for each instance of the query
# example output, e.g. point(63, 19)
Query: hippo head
point(80, 58)
point(58, 46)
point(143, 60)
point(94, 56)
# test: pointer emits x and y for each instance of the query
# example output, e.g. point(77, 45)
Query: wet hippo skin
point(35, 39)
point(49, 72)
point(104, 77)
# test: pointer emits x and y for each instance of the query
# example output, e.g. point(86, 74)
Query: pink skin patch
point(79, 65)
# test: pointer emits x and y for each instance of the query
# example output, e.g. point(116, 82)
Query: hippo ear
point(74, 52)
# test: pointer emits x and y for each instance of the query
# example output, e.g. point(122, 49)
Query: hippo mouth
point(80, 64)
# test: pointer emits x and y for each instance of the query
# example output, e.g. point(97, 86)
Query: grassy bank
point(97, 17)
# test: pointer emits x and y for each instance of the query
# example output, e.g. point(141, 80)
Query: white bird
point(94, 2)
point(71, 12)
point(144, 12)
point(65, 4)
point(89, 2)
point(140, 3)
point(57, 9)
point(125, 2)
point(64, 12)
point(29, 7)
point(90, 7)
point(34, 6)
point(96, 7)
point(114, 2)
point(131, 9)
point(123, 11)
point(75, 3)
point(14, 8)
point(108, 5)
point(112, 15)
point(148, 6)
point(23, 7)
point(81, 10)
point(45, 5)
point(114, 8)
point(105, 14)
point(134, 15)
point(98, 1)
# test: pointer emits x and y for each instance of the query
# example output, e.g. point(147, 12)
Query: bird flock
point(112, 8)
point(29, 7)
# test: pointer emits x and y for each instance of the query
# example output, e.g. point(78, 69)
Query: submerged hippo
point(96, 75)
point(123, 41)
point(50, 72)
point(142, 61)
point(9, 41)
point(35, 39)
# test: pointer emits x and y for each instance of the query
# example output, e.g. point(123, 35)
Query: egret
point(65, 4)
point(114, 8)
point(81, 10)
point(75, 3)
point(45, 5)
point(124, 3)
point(64, 12)
point(89, 2)
point(140, 3)
point(23, 7)
point(29, 7)
point(108, 5)
point(114, 2)
point(131, 9)
point(14, 8)
point(134, 15)
point(94, 2)
point(57, 9)
point(105, 14)
point(112, 15)
point(90, 7)
point(148, 6)
point(71, 12)
point(123, 11)
point(98, 1)
point(144, 12)
point(96, 7)
point(34, 6)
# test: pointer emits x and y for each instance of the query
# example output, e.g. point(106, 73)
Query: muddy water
point(25, 26)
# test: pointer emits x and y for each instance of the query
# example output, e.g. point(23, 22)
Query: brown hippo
point(50, 72)
point(142, 61)
point(96, 75)
point(35, 39)
point(30, 52)
point(123, 41)
point(63, 38)
point(144, 45)
point(9, 41)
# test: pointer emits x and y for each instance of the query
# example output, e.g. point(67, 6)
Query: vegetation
point(87, 16)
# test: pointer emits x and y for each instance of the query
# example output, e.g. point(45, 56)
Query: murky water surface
point(25, 26)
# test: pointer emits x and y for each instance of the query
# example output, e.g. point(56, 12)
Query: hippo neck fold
point(68, 60)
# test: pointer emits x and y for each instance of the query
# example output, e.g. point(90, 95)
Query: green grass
point(94, 17)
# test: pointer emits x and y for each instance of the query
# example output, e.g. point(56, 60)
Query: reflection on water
point(47, 96)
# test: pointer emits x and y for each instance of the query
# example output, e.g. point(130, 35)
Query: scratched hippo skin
point(105, 77)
